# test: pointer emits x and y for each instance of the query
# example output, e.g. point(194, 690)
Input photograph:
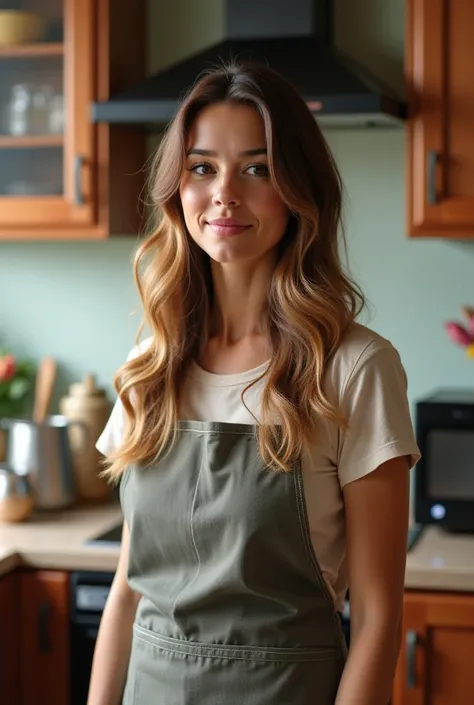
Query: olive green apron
point(234, 607)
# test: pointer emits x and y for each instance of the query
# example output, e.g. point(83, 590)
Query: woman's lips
point(227, 227)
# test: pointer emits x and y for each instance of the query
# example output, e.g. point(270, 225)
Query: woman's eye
point(202, 169)
point(257, 170)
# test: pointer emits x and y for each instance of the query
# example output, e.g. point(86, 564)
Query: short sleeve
point(112, 435)
point(376, 406)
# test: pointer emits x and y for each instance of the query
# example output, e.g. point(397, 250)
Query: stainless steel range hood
point(293, 37)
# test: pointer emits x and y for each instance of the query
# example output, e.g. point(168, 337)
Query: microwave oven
point(444, 475)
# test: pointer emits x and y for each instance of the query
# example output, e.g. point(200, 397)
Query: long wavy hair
point(312, 301)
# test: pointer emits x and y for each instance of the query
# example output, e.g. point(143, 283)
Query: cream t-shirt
point(367, 381)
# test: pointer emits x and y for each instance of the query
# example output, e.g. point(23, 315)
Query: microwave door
point(451, 464)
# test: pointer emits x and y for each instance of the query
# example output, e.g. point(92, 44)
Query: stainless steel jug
point(42, 452)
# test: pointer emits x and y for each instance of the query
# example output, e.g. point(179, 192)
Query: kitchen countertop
point(441, 561)
point(58, 540)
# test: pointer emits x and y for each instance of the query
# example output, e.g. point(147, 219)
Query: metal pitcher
point(42, 452)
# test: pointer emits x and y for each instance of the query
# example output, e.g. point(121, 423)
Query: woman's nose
point(226, 192)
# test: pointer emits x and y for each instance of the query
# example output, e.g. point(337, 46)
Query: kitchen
point(73, 296)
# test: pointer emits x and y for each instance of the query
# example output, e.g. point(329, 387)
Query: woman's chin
point(228, 254)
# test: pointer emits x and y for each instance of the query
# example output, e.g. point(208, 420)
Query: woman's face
point(230, 207)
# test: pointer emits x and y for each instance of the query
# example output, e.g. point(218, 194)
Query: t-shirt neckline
point(226, 380)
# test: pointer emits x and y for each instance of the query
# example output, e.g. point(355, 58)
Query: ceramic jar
point(16, 496)
point(88, 404)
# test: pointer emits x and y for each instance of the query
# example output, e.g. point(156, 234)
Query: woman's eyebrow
point(212, 153)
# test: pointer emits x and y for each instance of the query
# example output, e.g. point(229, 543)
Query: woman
point(262, 437)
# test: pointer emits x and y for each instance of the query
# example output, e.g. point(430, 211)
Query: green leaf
point(18, 388)
point(4, 390)
point(25, 368)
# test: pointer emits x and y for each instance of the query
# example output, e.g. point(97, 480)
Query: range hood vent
point(293, 37)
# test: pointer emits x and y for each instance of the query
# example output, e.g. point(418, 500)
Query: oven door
point(83, 639)
point(89, 592)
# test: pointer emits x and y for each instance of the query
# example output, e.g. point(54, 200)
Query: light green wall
point(76, 300)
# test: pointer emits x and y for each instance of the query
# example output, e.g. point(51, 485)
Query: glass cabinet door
point(46, 138)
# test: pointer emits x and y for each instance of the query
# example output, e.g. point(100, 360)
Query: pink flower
point(458, 333)
point(7, 368)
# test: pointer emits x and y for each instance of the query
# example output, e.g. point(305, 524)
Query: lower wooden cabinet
point(436, 664)
point(435, 667)
point(34, 638)
point(44, 630)
point(9, 640)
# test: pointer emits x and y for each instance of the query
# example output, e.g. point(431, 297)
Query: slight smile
point(228, 226)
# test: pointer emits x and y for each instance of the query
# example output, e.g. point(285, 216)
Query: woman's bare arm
point(377, 525)
point(112, 651)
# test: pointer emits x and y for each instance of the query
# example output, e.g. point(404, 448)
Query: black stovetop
point(113, 535)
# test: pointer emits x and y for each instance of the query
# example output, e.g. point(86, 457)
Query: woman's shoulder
point(139, 348)
point(361, 347)
point(360, 342)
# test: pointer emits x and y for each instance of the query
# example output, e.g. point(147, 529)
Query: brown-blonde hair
point(312, 301)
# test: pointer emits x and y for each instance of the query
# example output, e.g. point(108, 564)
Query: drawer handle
point(411, 644)
point(432, 162)
point(78, 195)
point(44, 637)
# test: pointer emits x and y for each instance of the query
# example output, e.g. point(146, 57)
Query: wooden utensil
point(45, 378)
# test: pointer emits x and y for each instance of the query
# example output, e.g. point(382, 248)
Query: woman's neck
point(240, 299)
point(238, 339)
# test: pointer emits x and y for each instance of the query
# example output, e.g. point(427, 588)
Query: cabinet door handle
point(78, 195)
point(44, 638)
point(411, 644)
point(432, 161)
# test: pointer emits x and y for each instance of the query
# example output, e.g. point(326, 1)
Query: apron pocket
point(166, 671)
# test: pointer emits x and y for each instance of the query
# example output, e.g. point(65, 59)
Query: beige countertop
point(58, 540)
point(441, 561)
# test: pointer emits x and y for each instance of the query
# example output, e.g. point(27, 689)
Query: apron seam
point(191, 531)
point(232, 651)
point(309, 550)
point(124, 480)
point(311, 555)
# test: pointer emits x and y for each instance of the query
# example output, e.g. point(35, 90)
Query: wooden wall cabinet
point(436, 663)
point(439, 70)
point(61, 176)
